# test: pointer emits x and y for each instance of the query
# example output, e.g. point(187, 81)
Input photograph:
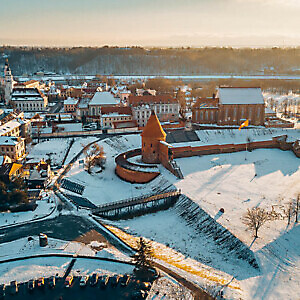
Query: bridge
point(136, 206)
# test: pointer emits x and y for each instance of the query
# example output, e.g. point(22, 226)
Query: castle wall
point(135, 176)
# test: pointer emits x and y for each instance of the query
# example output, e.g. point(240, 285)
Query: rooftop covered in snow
point(103, 98)
point(240, 95)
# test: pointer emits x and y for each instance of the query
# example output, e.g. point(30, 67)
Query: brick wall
point(135, 176)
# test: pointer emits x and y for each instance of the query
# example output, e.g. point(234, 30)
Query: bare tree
point(94, 155)
point(297, 208)
point(254, 218)
point(289, 211)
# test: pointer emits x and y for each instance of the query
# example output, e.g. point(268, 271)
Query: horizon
point(177, 23)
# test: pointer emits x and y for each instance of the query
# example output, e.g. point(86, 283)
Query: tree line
point(153, 61)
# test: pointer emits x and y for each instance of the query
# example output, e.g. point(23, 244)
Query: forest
point(152, 61)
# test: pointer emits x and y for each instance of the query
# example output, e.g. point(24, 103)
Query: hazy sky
point(150, 22)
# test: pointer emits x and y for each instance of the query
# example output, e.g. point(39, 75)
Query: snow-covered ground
point(107, 186)
point(238, 181)
point(56, 149)
point(235, 182)
point(44, 207)
point(69, 127)
point(167, 288)
point(24, 270)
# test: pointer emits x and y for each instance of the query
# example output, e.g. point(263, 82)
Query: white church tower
point(8, 81)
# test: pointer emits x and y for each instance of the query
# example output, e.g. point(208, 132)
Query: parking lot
point(75, 291)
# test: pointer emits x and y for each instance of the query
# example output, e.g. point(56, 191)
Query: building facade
point(231, 106)
point(13, 147)
point(29, 100)
point(165, 106)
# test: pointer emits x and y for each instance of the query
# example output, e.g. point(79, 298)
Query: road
point(64, 227)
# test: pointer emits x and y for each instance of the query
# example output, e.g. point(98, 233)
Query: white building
point(29, 100)
point(165, 106)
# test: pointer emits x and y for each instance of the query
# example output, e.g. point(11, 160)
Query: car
point(41, 282)
point(14, 287)
point(2, 290)
point(104, 281)
point(51, 282)
point(83, 280)
point(125, 280)
point(68, 281)
point(114, 280)
point(31, 284)
point(94, 279)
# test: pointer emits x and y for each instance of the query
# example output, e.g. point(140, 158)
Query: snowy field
point(237, 181)
point(57, 148)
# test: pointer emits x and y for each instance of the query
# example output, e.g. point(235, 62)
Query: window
point(234, 113)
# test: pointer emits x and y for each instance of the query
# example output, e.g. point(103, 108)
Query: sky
point(172, 23)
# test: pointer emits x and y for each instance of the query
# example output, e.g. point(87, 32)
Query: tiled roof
point(163, 98)
point(153, 128)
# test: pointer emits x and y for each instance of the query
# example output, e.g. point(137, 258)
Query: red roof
point(153, 128)
point(122, 110)
point(148, 99)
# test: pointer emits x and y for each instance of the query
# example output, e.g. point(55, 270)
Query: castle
point(155, 150)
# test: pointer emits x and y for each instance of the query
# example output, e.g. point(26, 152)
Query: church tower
point(152, 135)
point(8, 81)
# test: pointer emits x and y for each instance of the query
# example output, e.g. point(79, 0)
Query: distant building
point(231, 106)
point(14, 124)
point(165, 106)
point(112, 115)
point(99, 100)
point(28, 84)
point(29, 100)
point(12, 146)
point(239, 104)
point(205, 111)
point(8, 83)
point(70, 105)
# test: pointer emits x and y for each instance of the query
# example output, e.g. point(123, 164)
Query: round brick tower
point(152, 134)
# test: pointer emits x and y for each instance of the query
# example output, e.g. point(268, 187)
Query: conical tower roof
point(153, 128)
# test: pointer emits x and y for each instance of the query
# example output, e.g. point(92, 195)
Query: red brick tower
point(152, 134)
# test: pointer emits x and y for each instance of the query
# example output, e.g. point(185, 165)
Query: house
point(70, 105)
point(113, 114)
point(9, 171)
point(29, 100)
point(14, 147)
point(39, 175)
point(165, 106)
